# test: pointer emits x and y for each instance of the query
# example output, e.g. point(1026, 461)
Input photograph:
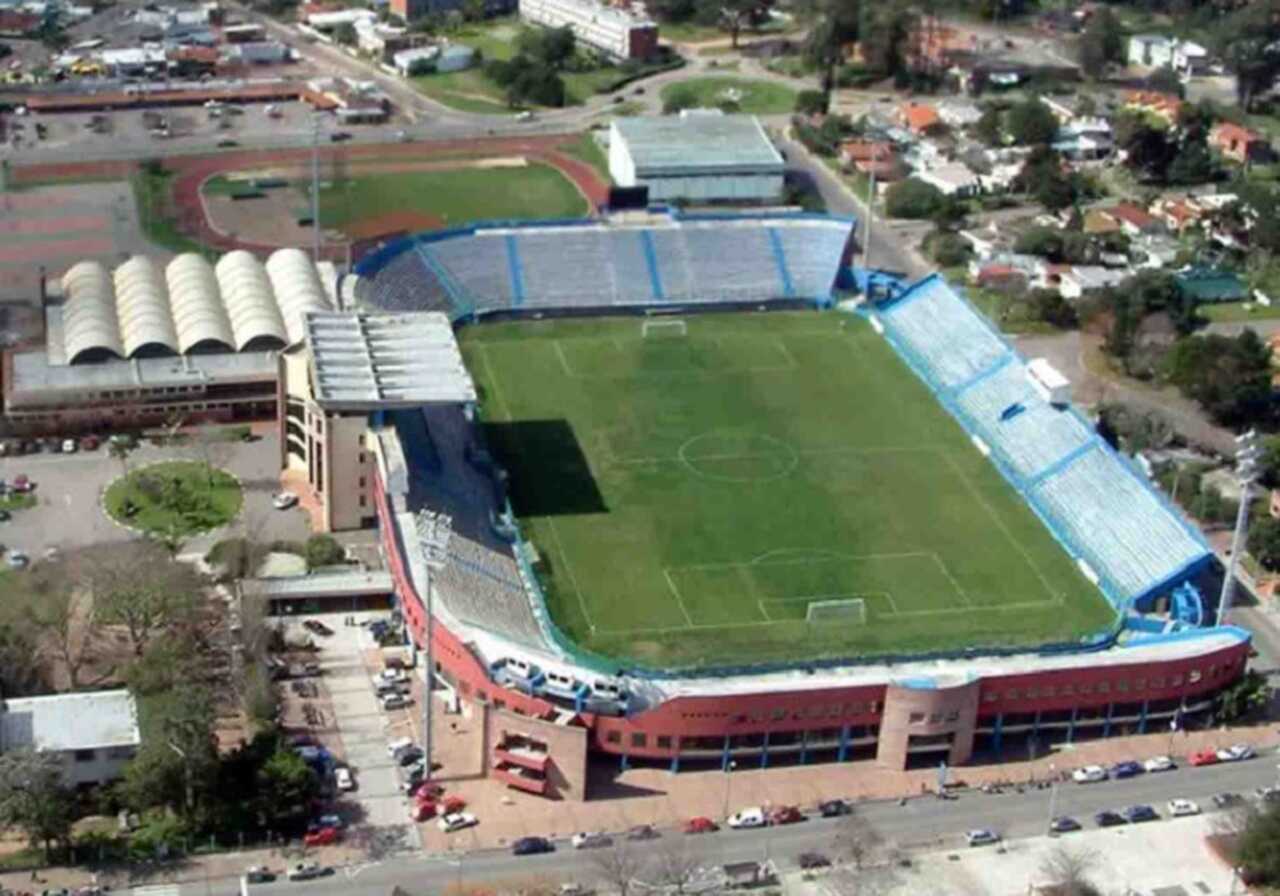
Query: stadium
point(659, 487)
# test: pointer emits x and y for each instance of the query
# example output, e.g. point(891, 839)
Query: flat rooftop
point(81, 721)
point(699, 140)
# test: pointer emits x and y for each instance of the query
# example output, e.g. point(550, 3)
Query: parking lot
point(68, 489)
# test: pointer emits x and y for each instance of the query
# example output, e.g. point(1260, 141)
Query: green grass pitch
point(689, 495)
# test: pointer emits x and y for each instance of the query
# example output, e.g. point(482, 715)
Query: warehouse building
point(610, 30)
point(145, 343)
point(698, 157)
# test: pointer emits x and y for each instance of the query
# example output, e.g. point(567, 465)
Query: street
point(923, 823)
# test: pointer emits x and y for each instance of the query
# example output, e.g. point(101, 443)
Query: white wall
point(621, 166)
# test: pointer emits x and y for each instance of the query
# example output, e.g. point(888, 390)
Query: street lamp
point(1053, 794)
point(728, 776)
point(1247, 454)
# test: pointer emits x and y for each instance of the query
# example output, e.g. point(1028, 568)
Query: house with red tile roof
point(1133, 220)
point(1161, 105)
point(1240, 144)
point(870, 157)
point(918, 117)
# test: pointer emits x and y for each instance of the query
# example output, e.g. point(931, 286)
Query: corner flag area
point(746, 488)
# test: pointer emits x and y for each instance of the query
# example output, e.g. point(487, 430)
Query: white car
point(343, 779)
point(748, 818)
point(395, 701)
point(1090, 774)
point(258, 874)
point(1236, 752)
point(456, 821)
point(306, 871)
point(981, 837)
point(589, 840)
point(1159, 764)
point(400, 743)
point(18, 560)
point(283, 500)
point(391, 676)
point(1179, 807)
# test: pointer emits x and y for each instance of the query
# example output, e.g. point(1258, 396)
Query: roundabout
point(174, 498)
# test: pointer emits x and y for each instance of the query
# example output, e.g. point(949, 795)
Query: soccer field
point(691, 493)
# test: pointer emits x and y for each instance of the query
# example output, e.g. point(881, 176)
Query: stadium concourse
point(496, 570)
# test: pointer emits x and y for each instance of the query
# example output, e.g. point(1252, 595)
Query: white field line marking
point(964, 598)
point(497, 390)
point(564, 555)
point(801, 452)
point(666, 573)
point(802, 561)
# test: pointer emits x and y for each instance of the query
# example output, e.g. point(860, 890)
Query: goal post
point(663, 328)
point(852, 610)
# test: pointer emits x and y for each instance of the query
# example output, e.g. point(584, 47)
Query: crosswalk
point(157, 890)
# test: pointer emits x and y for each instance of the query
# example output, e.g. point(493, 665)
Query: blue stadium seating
point(1095, 502)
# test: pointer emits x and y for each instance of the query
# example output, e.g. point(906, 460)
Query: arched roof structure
point(142, 306)
point(194, 300)
point(297, 288)
point(249, 300)
point(89, 324)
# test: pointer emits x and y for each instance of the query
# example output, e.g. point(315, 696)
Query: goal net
point(849, 610)
point(663, 328)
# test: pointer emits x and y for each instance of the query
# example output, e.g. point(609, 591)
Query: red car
point(21, 483)
point(700, 825)
point(785, 815)
point(322, 837)
point(422, 810)
point(452, 804)
point(1204, 757)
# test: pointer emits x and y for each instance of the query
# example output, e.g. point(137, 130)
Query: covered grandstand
point(662, 259)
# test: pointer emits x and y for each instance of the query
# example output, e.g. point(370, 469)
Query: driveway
point(69, 488)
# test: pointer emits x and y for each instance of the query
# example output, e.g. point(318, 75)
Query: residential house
point(1177, 212)
point(959, 113)
point(952, 179)
point(1209, 285)
point(1085, 139)
point(1154, 251)
point(1157, 51)
point(94, 733)
point(918, 117)
point(1000, 276)
point(1063, 108)
point(871, 157)
point(1028, 267)
point(1097, 221)
point(1081, 279)
point(1159, 105)
point(986, 241)
point(1133, 220)
point(1240, 144)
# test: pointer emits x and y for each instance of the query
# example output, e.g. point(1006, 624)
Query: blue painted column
point(675, 763)
point(844, 744)
point(764, 752)
point(997, 733)
point(1106, 726)
point(1142, 719)
point(724, 759)
point(804, 747)
point(623, 762)
point(1035, 726)
point(1071, 729)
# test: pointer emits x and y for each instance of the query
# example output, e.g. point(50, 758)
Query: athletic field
point(691, 489)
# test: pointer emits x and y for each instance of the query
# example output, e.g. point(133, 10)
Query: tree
point(64, 617)
point(619, 866)
point(1102, 43)
point(1069, 869)
point(216, 448)
point(119, 450)
point(1031, 123)
point(1042, 177)
point(1246, 40)
point(286, 785)
point(811, 102)
point(1258, 849)
point(1148, 148)
point(832, 25)
point(856, 840)
point(990, 127)
point(345, 34)
point(912, 198)
point(139, 587)
point(736, 15)
point(324, 550)
point(1193, 163)
point(177, 764)
point(34, 798)
point(675, 866)
point(1251, 693)
point(474, 10)
point(1229, 377)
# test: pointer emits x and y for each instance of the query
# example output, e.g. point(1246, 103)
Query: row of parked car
point(1092, 774)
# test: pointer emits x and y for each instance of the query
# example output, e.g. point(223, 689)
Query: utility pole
point(1247, 454)
point(315, 187)
point(434, 532)
point(871, 215)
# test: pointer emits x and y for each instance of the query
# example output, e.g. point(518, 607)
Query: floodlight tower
point(434, 532)
point(1247, 453)
point(315, 187)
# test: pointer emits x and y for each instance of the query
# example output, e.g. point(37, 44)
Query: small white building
point(1082, 279)
point(1158, 51)
point(94, 732)
point(615, 31)
point(953, 179)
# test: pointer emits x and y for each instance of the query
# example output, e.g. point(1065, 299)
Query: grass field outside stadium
point(691, 489)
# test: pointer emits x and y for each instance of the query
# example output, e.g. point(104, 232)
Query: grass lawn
point(752, 97)
point(456, 196)
point(690, 495)
point(182, 499)
point(1239, 312)
point(586, 149)
point(153, 194)
point(17, 501)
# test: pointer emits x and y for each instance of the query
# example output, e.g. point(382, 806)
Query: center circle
point(731, 456)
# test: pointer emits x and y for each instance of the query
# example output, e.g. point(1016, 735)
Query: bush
point(811, 102)
point(323, 550)
point(913, 198)
point(949, 250)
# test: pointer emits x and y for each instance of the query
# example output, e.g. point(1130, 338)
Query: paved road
point(925, 823)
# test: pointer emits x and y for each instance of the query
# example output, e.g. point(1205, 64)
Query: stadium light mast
point(434, 532)
point(315, 187)
point(1247, 453)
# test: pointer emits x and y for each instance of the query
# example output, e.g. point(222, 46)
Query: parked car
point(1236, 752)
point(399, 745)
point(1226, 800)
point(748, 818)
point(322, 837)
point(811, 860)
point(981, 837)
point(700, 825)
point(69, 446)
point(833, 808)
point(258, 874)
point(409, 755)
point(343, 779)
point(1064, 825)
point(391, 676)
point(395, 701)
point(1090, 774)
point(283, 500)
point(21, 483)
point(328, 820)
point(785, 815)
point(1204, 757)
point(227, 143)
point(339, 136)
point(1139, 813)
point(1108, 819)
point(1269, 794)
point(18, 560)
point(1159, 764)
point(1126, 769)
point(643, 832)
point(89, 443)
point(589, 840)
point(528, 846)
point(307, 871)
point(456, 821)
point(317, 627)
point(1179, 807)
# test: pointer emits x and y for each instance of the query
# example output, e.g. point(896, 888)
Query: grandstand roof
point(385, 360)
point(697, 141)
